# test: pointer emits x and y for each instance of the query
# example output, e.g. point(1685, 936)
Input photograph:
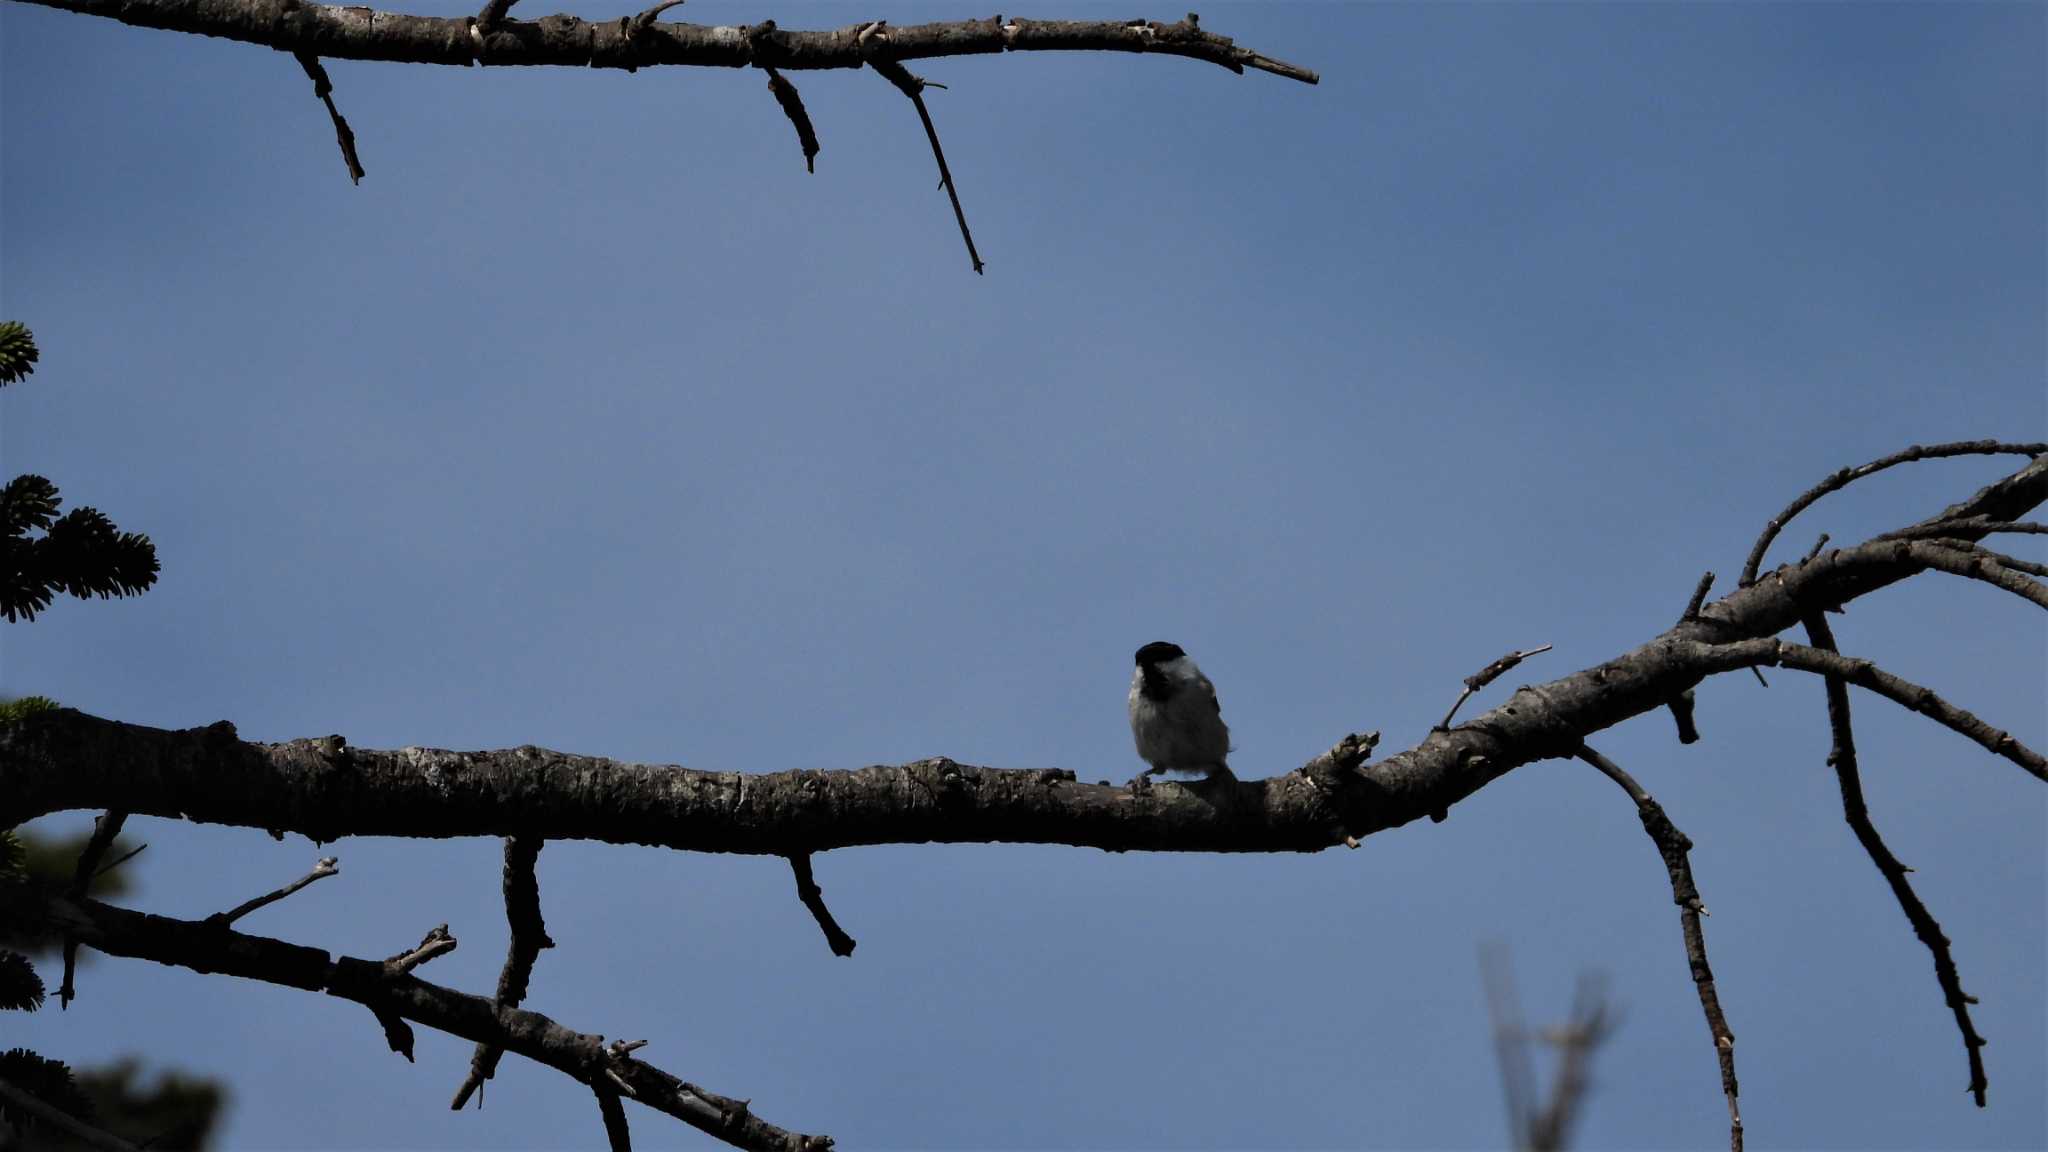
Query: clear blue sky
point(590, 420)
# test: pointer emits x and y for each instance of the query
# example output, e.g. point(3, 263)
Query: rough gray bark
point(324, 789)
point(354, 33)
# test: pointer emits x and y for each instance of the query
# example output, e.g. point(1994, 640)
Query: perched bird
point(1175, 719)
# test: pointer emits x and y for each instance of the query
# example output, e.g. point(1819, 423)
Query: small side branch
point(436, 942)
point(529, 936)
point(323, 90)
point(616, 1133)
point(1842, 758)
point(1485, 676)
point(807, 890)
point(1867, 675)
point(104, 830)
point(326, 866)
point(793, 107)
point(913, 87)
point(201, 947)
point(1843, 478)
point(1674, 847)
point(1969, 527)
point(1989, 567)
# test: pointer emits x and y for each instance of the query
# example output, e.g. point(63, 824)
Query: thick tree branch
point(356, 33)
point(1675, 847)
point(383, 988)
point(63, 760)
point(1842, 758)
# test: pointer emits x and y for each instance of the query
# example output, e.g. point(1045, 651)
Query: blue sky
point(590, 420)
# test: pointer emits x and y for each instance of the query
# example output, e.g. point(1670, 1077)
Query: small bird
point(1175, 719)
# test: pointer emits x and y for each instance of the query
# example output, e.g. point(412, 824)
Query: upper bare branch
point(357, 33)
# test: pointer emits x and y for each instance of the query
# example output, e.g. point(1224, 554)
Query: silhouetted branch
point(1847, 476)
point(325, 867)
point(529, 936)
point(323, 90)
point(616, 1132)
point(793, 107)
point(381, 986)
point(360, 33)
point(813, 898)
point(1842, 758)
point(1675, 847)
point(913, 87)
point(104, 829)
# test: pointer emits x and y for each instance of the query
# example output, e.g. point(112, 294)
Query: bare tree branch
point(1847, 476)
point(913, 87)
point(378, 985)
point(1674, 846)
point(1986, 566)
point(793, 107)
point(324, 867)
point(1485, 676)
point(323, 90)
point(359, 33)
point(104, 829)
point(813, 898)
point(1842, 758)
point(616, 1132)
point(529, 936)
point(1864, 674)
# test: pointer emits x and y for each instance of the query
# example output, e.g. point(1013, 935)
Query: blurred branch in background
point(1545, 1127)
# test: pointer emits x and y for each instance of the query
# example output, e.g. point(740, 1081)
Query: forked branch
point(1842, 758)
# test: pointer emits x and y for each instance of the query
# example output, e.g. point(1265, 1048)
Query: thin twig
point(1674, 847)
point(1485, 676)
point(324, 867)
point(913, 87)
point(323, 89)
point(793, 107)
point(1699, 597)
point(1842, 758)
point(529, 936)
point(436, 942)
point(616, 1133)
point(104, 829)
point(117, 861)
point(1847, 476)
point(43, 1112)
point(813, 897)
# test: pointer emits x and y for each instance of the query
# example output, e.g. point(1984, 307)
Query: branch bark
point(383, 988)
point(357, 33)
point(62, 760)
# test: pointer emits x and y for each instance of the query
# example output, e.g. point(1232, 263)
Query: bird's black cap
point(1159, 652)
